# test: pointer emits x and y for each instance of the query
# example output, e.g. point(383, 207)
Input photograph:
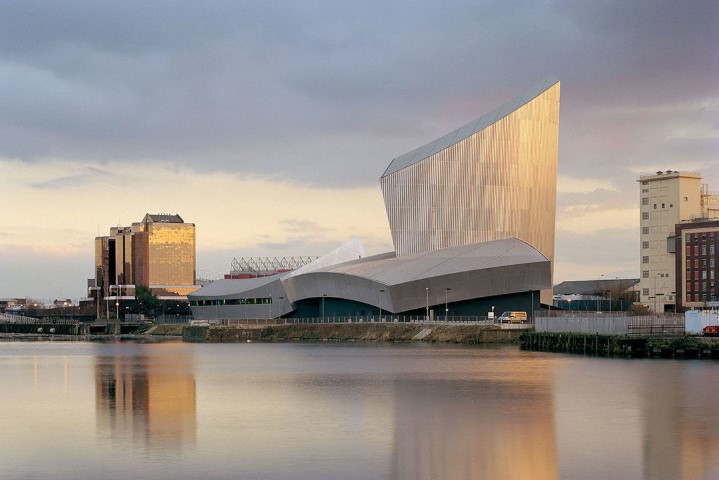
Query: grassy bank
point(353, 332)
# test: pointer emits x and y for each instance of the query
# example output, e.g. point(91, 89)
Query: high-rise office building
point(158, 252)
point(666, 199)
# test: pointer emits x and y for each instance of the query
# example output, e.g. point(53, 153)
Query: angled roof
point(227, 286)
point(162, 218)
point(594, 287)
point(469, 129)
point(389, 269)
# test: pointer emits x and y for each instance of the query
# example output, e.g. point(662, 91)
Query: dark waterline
point(355, 411)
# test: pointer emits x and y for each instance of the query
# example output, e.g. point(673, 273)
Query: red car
point(711, 331)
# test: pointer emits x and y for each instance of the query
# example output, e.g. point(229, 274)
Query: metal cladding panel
point(497, 182)
point(469, 271)
point(230, 288)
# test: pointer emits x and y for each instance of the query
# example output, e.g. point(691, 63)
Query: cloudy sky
point(268, 124)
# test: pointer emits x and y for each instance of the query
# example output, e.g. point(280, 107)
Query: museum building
point(472, 217)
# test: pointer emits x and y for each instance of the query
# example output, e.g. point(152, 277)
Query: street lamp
point(380, 304)
point(446, 307)
point(532, 311)
point(281, 301)
point(597, 295)
point(323, 307)
point(569, 300)
point(427, 292)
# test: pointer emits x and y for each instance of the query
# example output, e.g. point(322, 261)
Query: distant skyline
point(268, 125)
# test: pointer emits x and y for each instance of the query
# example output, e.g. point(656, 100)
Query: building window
point(645, 259)
point(688, 238)
point(645, 244)
point(655, 206)
point(711, 250)
point(645, 273)
point(645, 291)
point(645, 201)
point(663, 205)
point(645, 230)
point(645, 183)
point(645, 215)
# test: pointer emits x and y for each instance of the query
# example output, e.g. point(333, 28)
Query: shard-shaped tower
point(494, 178)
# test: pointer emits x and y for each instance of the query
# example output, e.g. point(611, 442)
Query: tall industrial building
point(492, 179)
point(158, 252)
point(667, 199)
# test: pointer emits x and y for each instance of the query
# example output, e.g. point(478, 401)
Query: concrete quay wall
point(349, 332)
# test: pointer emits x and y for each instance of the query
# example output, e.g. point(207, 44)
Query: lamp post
point(569, 300)
point(674, 294)
point(597, 296)
point(281, 312)
point(323, 307)
point(270, 305)
point(446, 305)
point(426, 289)
point(532, 311)
point(380, 304)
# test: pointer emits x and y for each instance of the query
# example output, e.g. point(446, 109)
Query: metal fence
point(20, 319)
point(611, 323)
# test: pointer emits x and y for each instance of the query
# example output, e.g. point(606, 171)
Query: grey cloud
point(328, 94)
point(71, 181)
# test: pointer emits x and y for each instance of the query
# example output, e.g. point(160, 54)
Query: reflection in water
point(351, 411)
point(496, 427)
point(147, 398)
point(681, 428)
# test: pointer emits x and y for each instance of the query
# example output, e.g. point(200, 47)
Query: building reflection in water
point(681, 427)
point(146, 400)
point(500, 426)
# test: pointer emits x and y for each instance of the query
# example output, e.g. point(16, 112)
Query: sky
point(268, 124)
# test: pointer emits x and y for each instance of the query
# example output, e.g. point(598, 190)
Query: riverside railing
point(415, 319)
point(11, 318)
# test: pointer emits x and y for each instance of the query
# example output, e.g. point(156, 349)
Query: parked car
point(513, 317)
point(711, 331)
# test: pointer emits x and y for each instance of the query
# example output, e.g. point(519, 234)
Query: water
point(350, 411)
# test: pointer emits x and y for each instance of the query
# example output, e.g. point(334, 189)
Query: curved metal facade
point(395, 284)
point(493, 178)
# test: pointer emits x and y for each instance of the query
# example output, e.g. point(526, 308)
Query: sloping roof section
point(162, 218)
point(352, 250)
point(419, 154)
point(391, 270)
point(594, 287)
point(231, 287)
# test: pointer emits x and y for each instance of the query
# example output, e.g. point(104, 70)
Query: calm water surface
point(350, 411)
